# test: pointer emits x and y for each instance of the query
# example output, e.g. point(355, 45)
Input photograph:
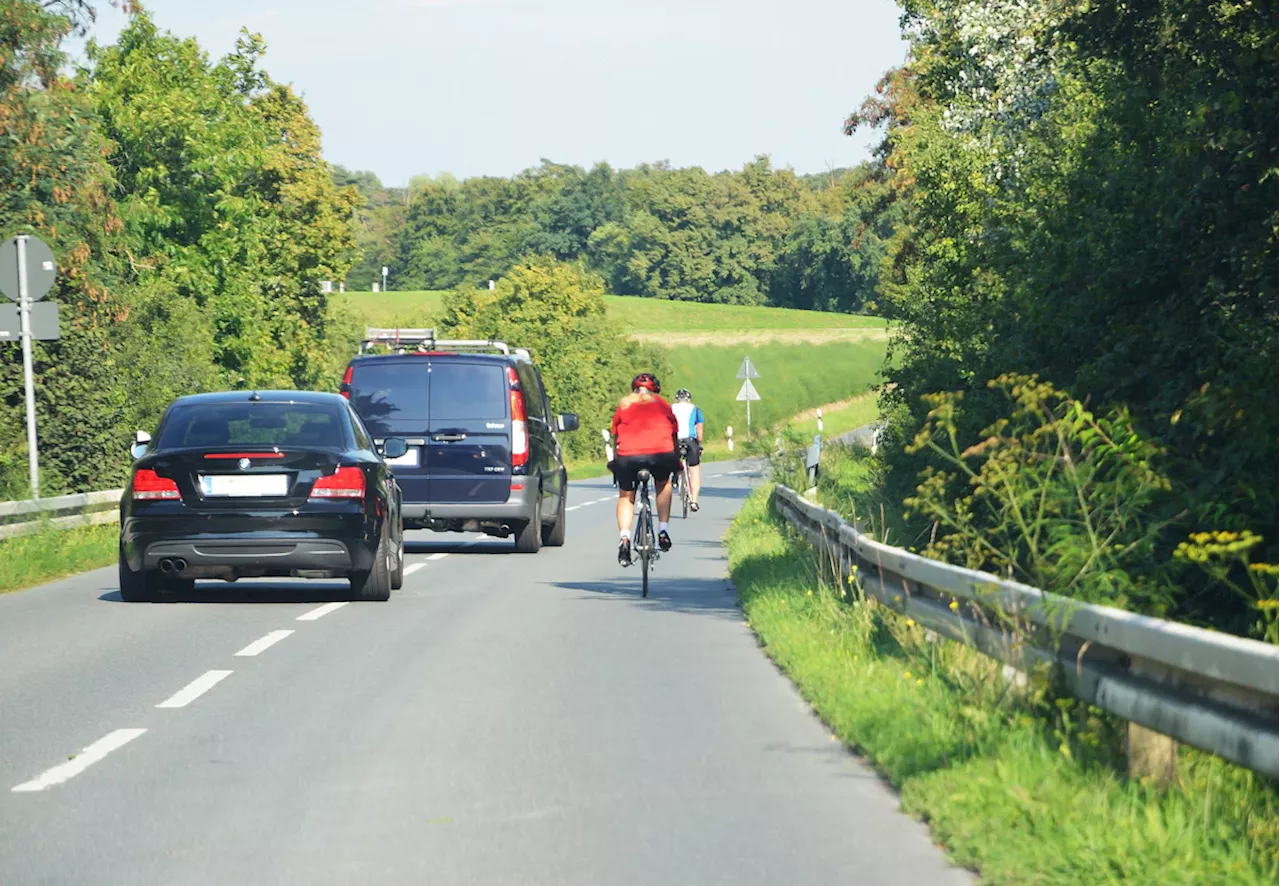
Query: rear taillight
point(150, 486)
point(344, 483)
point(345, 389)
point(519, 425)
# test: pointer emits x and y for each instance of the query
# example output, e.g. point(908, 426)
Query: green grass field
point(806, 359)
point(838, 421)
point(641, 315)
point(793, 378)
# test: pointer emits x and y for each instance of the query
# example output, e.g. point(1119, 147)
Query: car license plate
point(245, 485)
point(408, 460)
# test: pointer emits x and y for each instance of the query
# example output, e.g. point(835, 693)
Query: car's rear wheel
point(376, 583)
point(553, 535)
point(397, 571)
point(529, 541)
point(137, 587)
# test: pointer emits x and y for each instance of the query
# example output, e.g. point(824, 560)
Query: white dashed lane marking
point(263, 643)
point(112, 741)
point(193, 690)
point(322, 611)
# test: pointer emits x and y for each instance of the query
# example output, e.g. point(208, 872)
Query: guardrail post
point(1151, 755)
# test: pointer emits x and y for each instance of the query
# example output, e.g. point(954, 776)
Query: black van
point(483, 454)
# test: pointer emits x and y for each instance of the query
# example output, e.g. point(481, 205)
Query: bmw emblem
point(244, 464)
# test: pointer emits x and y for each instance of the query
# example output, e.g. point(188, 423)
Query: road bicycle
point(685, 483)
point(645, 541)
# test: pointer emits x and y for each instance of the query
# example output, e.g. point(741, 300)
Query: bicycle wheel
point(645, 546)
point(684, 492)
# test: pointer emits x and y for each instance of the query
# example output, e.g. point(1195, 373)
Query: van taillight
point(347, 482)
point(150, 486)
point(519, 423)
point(345, 388)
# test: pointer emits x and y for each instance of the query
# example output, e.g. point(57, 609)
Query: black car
point(250, 484)
point(483, 453)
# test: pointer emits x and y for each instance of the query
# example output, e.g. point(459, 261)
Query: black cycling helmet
point(646, 380)
point(683, 394)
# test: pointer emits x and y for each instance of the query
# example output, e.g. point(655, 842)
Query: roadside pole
point(28, 374)
point(28, 271)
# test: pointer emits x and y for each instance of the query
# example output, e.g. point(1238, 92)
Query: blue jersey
point(689, 417)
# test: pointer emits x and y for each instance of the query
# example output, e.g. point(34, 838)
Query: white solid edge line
point(574, 507)
point(438, 556)
point(413, 567)
point(193, 690)
point(263, 643)
point(322, 611)
point(112, 741)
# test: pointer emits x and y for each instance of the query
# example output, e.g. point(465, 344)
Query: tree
point(557, 311)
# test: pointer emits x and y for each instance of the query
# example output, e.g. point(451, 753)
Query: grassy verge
point(43, 556)
point(1019, 787)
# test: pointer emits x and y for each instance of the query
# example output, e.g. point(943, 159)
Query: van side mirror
point(141, 441)
point(394, 447)
point(567, 421)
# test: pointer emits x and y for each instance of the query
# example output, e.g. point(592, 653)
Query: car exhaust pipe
point(166, 566)
point(179, 564)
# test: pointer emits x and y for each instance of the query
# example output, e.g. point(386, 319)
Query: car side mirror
point(567, 421)
point(141, 441)
point(394, 447)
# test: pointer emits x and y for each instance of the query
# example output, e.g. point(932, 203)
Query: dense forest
point(757, 236)
point(1086, 273)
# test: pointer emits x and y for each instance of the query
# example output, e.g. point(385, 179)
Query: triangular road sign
point(746, 370)
point(748, 391)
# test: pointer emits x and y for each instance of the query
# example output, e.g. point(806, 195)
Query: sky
point(490, 87)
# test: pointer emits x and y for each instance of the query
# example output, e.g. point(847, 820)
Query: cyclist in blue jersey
point(690, 419)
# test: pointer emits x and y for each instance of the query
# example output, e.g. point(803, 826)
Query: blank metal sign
point(44, 322)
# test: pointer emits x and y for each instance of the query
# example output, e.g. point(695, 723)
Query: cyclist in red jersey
point(644, 432)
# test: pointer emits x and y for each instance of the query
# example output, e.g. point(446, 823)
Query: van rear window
point(382, 389)
point(467, 390)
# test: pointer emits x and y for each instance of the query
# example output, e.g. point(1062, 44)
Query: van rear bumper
point(515, 511)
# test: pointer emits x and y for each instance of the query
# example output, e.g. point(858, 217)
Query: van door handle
point(448, 438)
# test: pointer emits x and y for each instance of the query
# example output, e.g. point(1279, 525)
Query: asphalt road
point(504, 719)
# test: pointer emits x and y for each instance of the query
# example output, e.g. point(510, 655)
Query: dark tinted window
point(357, 427)
point(382, 389)
point(467, 390)
point(253, 424)
point(533, 404)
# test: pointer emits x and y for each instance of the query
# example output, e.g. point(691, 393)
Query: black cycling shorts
point(692, 451)
point(660, 464)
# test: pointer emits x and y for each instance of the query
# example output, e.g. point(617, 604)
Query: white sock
point(624, 534)
point(662, 527)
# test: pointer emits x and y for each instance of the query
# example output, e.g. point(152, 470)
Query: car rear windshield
point(390, 389)
point(199, 425)
point(468, 390)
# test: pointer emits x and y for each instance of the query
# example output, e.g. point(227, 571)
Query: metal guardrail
point(63, 512)
point(1214, 691)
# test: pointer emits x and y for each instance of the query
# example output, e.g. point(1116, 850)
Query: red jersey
point(645, 426)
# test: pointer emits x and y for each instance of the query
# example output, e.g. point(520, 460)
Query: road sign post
point(746, 372)
point(385, 269)
point(27, 272)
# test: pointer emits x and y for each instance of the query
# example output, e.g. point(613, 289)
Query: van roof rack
point(404, 341)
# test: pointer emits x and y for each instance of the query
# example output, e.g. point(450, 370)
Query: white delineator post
point(28, 375)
